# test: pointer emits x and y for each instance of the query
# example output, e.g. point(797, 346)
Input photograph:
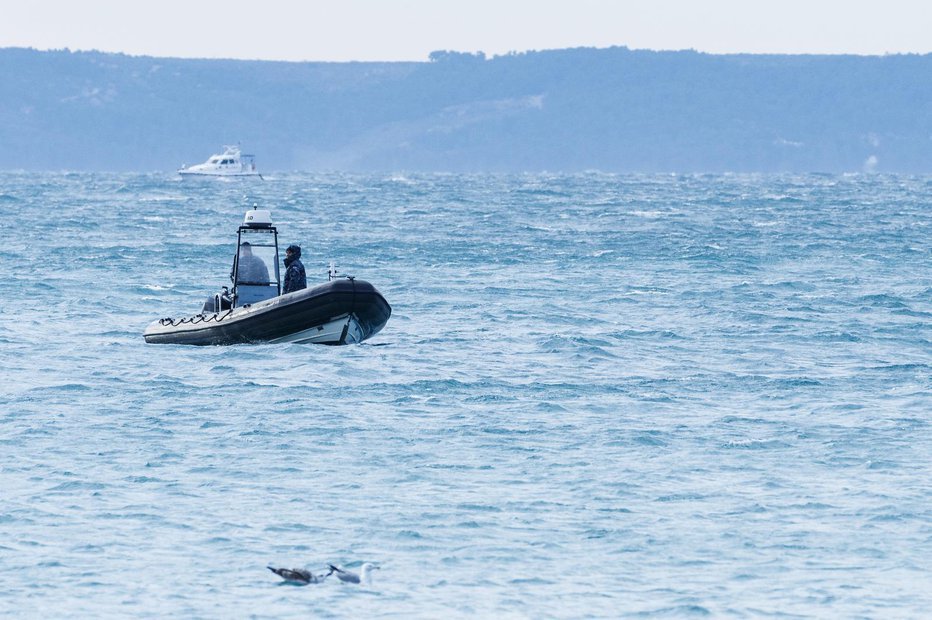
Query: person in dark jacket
point(295, 279)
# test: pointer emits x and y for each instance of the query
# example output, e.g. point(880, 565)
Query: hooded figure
point(295, 279)
point(252, 269)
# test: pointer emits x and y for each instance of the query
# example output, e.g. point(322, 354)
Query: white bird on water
point(346, 576)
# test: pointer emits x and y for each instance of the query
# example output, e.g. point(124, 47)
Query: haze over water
point(597, 395)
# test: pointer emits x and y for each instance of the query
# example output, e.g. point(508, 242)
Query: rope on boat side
point(194, 320)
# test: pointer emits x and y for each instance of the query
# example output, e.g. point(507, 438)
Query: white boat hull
point(342, 330)
point(197, 173)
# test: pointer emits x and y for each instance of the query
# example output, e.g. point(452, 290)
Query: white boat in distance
point(230, 163)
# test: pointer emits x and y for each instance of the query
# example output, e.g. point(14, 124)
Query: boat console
point(255, 271)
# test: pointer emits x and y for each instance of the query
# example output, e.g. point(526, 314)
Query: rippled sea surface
point(598, 396)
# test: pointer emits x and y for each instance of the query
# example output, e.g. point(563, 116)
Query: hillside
point(563, 110)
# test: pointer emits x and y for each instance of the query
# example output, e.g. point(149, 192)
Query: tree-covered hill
point(562, 110)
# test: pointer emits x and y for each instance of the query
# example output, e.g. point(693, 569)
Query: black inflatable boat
point(344, 310)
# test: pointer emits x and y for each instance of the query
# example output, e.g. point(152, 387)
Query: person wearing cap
point(295, 278)
point(252, 269)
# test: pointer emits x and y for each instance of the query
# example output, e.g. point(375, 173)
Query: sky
point(391, 30)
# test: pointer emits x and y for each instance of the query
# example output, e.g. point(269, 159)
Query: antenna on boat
point(332, 272)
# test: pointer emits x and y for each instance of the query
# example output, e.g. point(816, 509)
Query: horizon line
point(476, 55)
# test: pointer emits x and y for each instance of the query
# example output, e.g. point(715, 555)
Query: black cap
point(295, 249)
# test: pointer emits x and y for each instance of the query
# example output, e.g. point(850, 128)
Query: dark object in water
point(298, 575)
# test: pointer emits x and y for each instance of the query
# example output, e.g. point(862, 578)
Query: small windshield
point(253, 265)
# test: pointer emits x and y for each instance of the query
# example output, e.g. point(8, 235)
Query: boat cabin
point(229, 163)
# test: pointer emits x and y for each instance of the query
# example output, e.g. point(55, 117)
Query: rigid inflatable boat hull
point(341, 311)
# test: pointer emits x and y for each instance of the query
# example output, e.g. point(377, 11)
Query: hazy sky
point(410, 29)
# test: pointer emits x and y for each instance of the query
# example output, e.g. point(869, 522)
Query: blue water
point(598, 396)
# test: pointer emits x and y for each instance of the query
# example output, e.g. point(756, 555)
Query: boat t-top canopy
point(256, 275)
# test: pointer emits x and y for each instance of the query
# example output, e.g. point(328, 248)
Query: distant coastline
point(613, 109)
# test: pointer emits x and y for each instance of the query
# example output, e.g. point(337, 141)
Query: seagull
point(298, 575)
point(350, 577)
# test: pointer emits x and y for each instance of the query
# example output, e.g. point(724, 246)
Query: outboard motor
point(218, 303)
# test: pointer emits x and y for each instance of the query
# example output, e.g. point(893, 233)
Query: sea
point(598, 396)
